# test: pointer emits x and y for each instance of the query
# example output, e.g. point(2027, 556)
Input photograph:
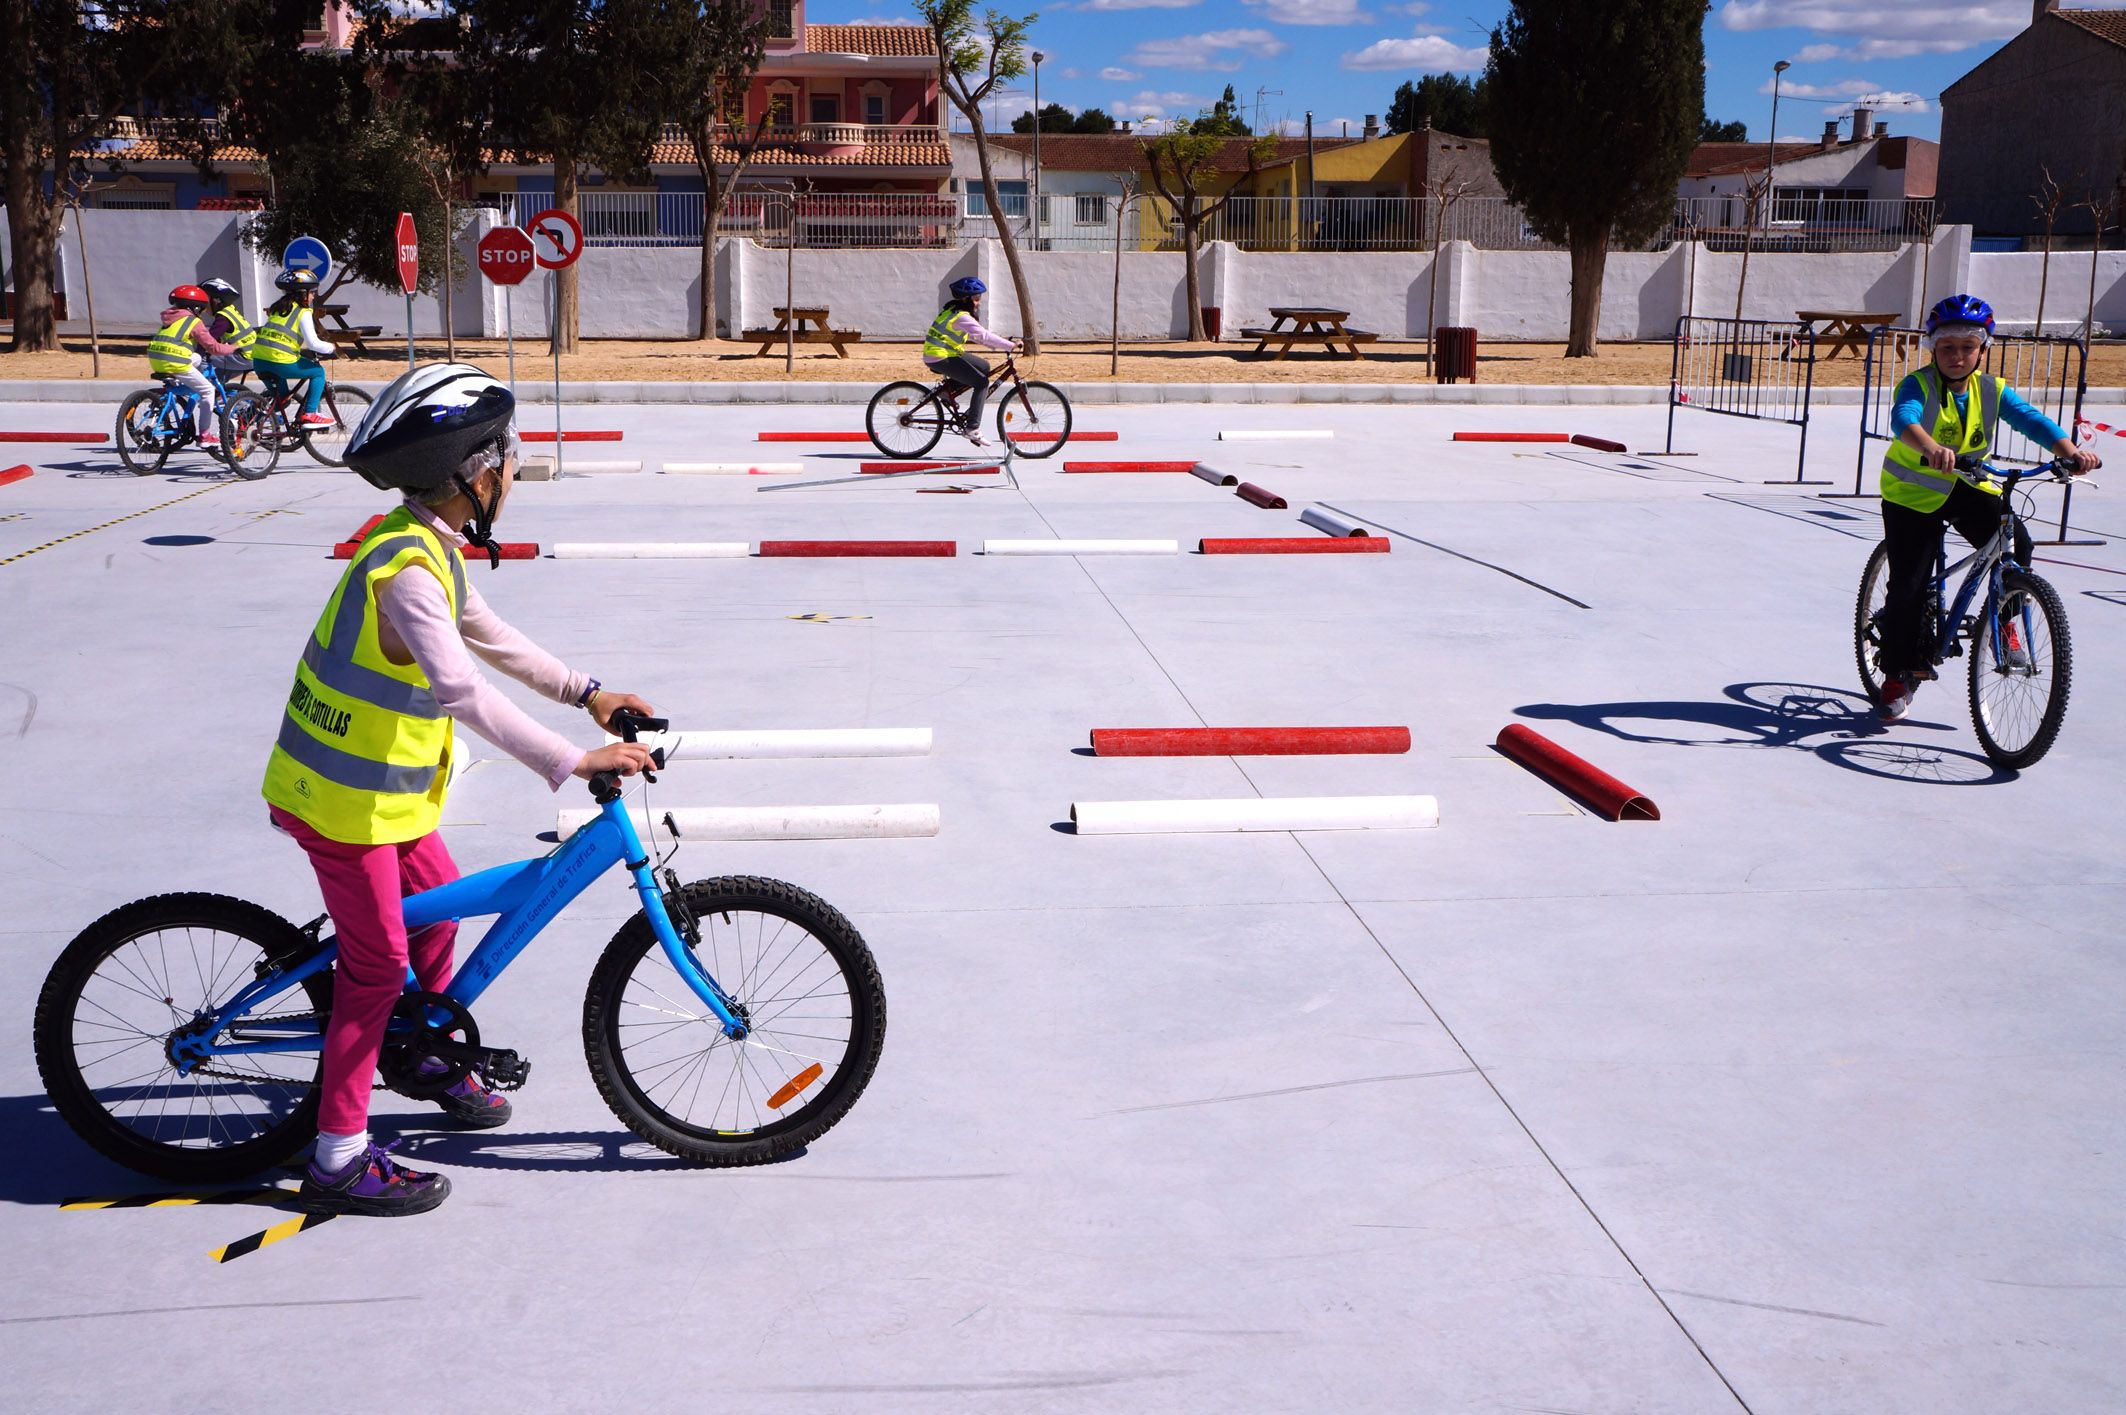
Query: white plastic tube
point(791, 742)
point(1214, 476)
point(733, 469)
point(1277, 435)
point(651, 550)
point(572, 466)
point(1329, 523)
point(1277, 813)
point(1081, 547)
point(778, 822)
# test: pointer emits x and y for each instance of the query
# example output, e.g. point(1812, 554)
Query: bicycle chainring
point(453, 1041)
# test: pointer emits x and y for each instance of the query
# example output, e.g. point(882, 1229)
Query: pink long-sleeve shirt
point(202, 332)
point(415, 626)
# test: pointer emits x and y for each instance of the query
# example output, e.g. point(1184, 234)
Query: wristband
point(589, 694)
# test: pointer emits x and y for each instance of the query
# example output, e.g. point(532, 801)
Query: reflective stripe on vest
point(363, 753)
point(1906, 478)
point(171, 351)
point(274, 340)
point(242, 333)
point(944, 341)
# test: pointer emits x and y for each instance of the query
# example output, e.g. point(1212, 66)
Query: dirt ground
point(666, 361)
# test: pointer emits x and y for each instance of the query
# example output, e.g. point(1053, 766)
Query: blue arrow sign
point(308, 253)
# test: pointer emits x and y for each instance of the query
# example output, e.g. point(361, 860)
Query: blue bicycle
point(155, 422)
point(2022, 661)
point(728, 1022)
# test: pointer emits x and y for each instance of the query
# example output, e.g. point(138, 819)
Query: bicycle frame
point(1986, 562)
point(527, 895)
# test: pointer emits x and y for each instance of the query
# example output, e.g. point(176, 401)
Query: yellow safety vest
point(1906, 478)
point(364, 750)
point(242, 333)
point(944, 341)
point(274, 340)
point(170, 350)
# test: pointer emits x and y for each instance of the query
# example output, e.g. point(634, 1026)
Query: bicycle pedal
point(504, 1070)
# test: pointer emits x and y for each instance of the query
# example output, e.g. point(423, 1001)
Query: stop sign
point(506, 255)
point(409, 253)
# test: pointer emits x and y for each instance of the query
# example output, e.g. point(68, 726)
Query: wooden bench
point(1308, 325)
point(812, 328)
point(338, 329)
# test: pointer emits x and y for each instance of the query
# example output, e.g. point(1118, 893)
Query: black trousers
point(970, 373)
point(1914, 537)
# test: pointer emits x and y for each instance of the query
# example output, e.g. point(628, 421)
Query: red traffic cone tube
point(1583, 779)
point(1248, 741)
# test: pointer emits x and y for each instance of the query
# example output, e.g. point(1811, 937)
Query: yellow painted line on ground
point(22, 555)
point(171, 1201)
point(302, 1223)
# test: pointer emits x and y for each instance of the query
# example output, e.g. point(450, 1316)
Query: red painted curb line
point(511, 550)
point(570, 435)
point(1267, 500)
point(1599, 444)
point(1129, 466)
point(55, 437)
point(1562, 769)
point(15, 474)
point(879, 469)
point(1247, 741)
point(866, 437)
point(1294, 545)
point(1512, 437)
point(772, 549)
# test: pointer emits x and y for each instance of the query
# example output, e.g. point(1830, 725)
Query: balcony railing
point(824, 134)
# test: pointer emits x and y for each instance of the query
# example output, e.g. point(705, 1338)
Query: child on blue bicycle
point(174, 350)
point(362, 762)
point(1943, 411)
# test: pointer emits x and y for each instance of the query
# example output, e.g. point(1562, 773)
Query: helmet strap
point(480, 530)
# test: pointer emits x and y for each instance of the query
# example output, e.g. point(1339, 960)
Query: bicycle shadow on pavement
point(49, 1164)
point(549, 1151)
point(1837, 725)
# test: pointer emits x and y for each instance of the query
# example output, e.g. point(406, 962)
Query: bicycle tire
point(1867, 621)
point(289, 1097)
point(905, 419)
point(1037, 406)
point(1999, 709)
point(631, 1085)
point(142, 445)
point(249, 444)
point(345, 406)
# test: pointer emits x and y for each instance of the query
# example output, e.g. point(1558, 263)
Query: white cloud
point(1428, 52)
point(1323, 128)
point(1894, 28)
point(1115, 74)
point(1847, 94)
point(1157, 103)
point(1137, 4)
point(1869, 50)
point(1311, 12)
point(1417, 7)
point(1221, 50)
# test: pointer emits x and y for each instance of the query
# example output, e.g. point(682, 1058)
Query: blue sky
point(1344, 58)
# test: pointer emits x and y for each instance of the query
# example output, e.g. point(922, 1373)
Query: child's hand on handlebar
point(606, 704)
point(2080, 461)
point(627, 758)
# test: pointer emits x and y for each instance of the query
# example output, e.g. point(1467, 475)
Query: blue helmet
point(968, 285)
point(1961, 309)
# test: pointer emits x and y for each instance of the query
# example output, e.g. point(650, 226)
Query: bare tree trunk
point(1588, 258)
point(562, 337)
point(1432, 306)
point(33, 236)
point(1196, 332)
point(711, 219)
point(450, 280)
point(1029, 327)
point(1114, 336)
point(2044, 276)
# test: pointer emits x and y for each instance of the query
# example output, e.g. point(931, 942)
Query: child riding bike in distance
point(282, 345)
point(227, 323)
point(174, 350)
point(945, 350)
point(362, 761)
point(1943, 411)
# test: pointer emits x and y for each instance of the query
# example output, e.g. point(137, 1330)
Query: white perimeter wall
point(652, 292)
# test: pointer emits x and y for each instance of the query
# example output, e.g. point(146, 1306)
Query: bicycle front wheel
point(345, 406)
point(1867, 621)
point(1034, 418)
point(125, 987)
point(2022, 666)
point(806, 985)
point(143, 443)
point(905, 419)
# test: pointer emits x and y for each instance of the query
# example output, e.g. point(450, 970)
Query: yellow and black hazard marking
point(302, 1223)
point(171, 1201)
point(15, 516)
point(91, 530)
point(824, 618)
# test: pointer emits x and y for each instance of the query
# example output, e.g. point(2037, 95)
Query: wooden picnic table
point(338, 330)
point(1843, 329)
point(811, 328)
point(1304, 324)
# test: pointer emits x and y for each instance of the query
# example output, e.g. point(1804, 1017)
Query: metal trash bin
point(1453, 353)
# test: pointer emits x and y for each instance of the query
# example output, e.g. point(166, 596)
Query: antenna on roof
point(1260, 94)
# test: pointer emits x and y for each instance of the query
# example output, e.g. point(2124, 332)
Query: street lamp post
point(1038, 56)
point(1771, 161)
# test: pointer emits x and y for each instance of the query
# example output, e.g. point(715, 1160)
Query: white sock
point(335, 1152)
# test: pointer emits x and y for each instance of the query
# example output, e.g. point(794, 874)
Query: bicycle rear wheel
point(143, 443)
point(1034, 418)
point(1867, 621)
point(118, 994)
point(905, 419)
point(345, 406)
point(2022, 666)
point(801, 977)
point(249, 440)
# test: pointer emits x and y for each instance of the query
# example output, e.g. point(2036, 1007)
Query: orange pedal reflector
point(792, 1086)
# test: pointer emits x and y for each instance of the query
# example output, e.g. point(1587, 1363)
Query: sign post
point(409, 274)
point(505, 256)
point(556, 242)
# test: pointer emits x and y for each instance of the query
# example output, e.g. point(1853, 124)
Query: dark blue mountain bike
point(155, 422)
point(729, 1022)
point(2022, 661)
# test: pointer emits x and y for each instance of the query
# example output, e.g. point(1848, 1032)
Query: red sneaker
point(315, 420)
point(1896, 700)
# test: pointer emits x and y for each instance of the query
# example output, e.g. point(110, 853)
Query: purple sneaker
point(373, 1184)
point(474, 1106)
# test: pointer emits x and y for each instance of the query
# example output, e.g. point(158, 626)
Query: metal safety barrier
point(1745, 368)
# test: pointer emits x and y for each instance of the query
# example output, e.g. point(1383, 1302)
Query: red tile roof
point(884, 41)
point(1120, 152)
point(2104, 24)
point(1720, 159)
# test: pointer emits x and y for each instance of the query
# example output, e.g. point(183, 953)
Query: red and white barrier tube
point(1248, 741)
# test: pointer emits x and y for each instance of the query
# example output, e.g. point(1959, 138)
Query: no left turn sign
point(556, 238)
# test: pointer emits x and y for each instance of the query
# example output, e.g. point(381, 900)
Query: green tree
point(1222, 119)
point(1711, 131)
point(1452, 103)
point(1094, 121)
point(1182, 160)
point(972, 60)
point(1594, 110)
point(1055, 118)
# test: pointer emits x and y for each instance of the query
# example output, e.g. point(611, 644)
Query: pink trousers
point(363, 885)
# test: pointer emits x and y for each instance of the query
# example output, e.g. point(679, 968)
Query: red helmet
point(190, 296)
